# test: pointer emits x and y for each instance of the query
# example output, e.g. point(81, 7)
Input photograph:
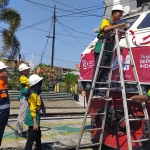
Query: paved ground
point(56, 132)
point(60, 133)
point(52, 104)
point(64, 106)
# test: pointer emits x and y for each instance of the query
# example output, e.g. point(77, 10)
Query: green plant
point(13, 80)
point(49, 76)
point(70, 79)
point(11, 45)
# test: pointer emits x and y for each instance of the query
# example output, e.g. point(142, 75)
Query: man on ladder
point(107, 25)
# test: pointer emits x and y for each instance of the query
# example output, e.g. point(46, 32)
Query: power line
point(69, 44)
point(42, 7)
point(35, 24)
point(57, 33)
point(46, 42)
point(47, 56)
point(73, 36)
point(76, 8)
point(65, 10)
point(75, 30)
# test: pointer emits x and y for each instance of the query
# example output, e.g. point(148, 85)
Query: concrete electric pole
point(53, 41)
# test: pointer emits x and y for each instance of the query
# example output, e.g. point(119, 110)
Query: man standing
point(107, 26)
point(4, 99)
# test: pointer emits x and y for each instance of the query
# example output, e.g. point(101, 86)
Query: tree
point(11, 45)
point(49, 76)
point(70, 79)
point(13, 80)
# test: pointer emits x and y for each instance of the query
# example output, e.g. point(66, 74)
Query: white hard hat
point(34, 79)
point(23, 67)
point(2, 65)
point(118, 7)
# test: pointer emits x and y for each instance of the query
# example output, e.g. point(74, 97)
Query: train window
point(145, 23)
point(140, 2)
point(128, 21)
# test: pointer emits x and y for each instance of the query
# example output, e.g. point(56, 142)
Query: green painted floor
point(52, 131)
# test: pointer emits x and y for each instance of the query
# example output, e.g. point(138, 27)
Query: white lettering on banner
point(124, 66)
point(87, 64)
point(144, 61)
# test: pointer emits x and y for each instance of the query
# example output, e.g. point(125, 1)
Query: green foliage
point(70, 79)
point(13, 80)
point(11, 45)
point(49, 76)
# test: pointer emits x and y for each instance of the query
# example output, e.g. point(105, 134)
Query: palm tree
point(11, 45)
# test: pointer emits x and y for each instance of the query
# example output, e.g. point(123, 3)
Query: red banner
point(86, 66)
point(141, 58)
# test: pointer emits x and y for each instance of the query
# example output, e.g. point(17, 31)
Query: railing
point(52, 96)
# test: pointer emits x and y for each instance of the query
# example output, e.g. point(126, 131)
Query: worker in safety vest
point(107, 26)
point(4, 99)
point(23, 97)
point(32, 119)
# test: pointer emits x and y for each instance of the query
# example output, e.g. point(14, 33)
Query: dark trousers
point(2, 128)
point(33, 135)
point(103, 72)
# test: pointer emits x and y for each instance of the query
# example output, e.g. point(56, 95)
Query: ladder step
point(130, 82)
point(93, 129)
point(101, 82)
point(108, 51)
point(89, 145)
point(138, 119)
point(126, 81)
point(96, 113)
point(129, 99)
point(140, 140)
point(121, 31)
point(105, 88)
point(127, 63)
point(105, 67)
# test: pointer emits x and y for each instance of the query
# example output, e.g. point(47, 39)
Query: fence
point(51, 96)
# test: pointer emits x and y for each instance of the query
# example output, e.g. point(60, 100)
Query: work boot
point(23, 134)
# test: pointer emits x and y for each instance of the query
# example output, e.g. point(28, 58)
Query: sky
point(75, 20)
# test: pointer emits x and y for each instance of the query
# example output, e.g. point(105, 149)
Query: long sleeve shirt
point(34, 103)
point(24, 86)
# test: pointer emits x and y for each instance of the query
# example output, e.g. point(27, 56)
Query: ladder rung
point(140, 140)
point(105, 88)
point(108, 51)
point(89, 145)
point(126, 81)
point(129, 99)
point(121, 31)
point(105, 67)
point(127, 63)
point(138, 119)
point(102, 83)
point(93, 129)
point(130, 82)
point(96, 113)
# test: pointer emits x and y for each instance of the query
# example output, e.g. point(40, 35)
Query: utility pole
point(53, 42)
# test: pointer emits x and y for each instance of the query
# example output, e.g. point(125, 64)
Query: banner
point(86, 66)
point(141, 57)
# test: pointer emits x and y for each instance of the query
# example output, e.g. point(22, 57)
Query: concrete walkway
point(56, 133)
